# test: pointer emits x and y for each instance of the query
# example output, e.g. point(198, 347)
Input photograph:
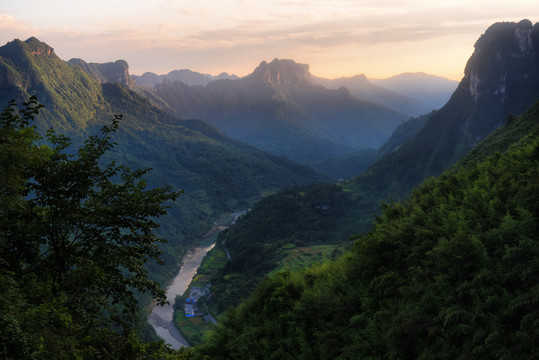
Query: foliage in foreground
point(449, 273)
point(74, 241)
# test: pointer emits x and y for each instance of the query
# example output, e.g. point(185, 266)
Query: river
point(161, 317)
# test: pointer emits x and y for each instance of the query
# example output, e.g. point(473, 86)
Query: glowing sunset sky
point(336, 38)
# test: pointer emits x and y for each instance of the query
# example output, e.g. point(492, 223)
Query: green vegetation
point(448, 273)
point(194, 328)
point(305, 256)
point(217, 173)
point(74, 239)
point(262, 238)
point(279, 110)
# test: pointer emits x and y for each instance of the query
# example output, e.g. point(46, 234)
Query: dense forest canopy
point(75, 237)
point(449, 273)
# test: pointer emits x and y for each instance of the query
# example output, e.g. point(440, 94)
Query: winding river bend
point(161, 317)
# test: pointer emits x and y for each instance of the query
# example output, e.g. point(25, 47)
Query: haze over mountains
point(217, 172)
point(188, 77)
point(501, 78)
point(279, 109)
point(413, 94)
point(449, 272)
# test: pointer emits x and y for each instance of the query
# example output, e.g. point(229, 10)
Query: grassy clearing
point(267, 193)
point(193, 329)
point(300, 257)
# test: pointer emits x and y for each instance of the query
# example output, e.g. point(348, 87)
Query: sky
point(337, 38)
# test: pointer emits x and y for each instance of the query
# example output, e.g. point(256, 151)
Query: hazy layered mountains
point(278, 108)
point(217, 172)
point(424, 92)
point(501, 79)
point(431, 91)
point(186, 76)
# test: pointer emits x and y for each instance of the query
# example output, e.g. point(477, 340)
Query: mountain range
point(186, 76)
point(501, 80)
point(448, 272)
point(279, 109)
point(217, 173)
point(412, 94)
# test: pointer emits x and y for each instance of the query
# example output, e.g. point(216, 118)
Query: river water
point(161, 317)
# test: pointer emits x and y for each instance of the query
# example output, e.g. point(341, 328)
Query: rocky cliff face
point(501, 77)
point(504, 63)
point(36, 47)
point(286, 73)
point(112, 72)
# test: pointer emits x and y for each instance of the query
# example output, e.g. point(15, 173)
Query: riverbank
point(162, 317)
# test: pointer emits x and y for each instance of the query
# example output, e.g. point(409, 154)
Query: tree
point(74, 241)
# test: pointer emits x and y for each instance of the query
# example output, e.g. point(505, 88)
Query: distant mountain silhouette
point(501, 77)
point(279, 109)
point(188, 77)
point(217, 172)
point(362, 88)
point(431, 91)
point(412, 94)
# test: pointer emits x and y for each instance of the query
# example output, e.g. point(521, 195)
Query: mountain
point(432, 92)
point(113, 72)
point(403, 133)
point(279, 109)
point(188, 77)
point(362, 88)
point(501, 79)
point(449, 273)
point(218, 173)
point(349, 165)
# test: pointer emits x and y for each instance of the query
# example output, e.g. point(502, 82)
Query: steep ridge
point(448, 273)
point(113, 72)
point(277, 108)
point(476, 109)
point(501, 77)
point(217, 172)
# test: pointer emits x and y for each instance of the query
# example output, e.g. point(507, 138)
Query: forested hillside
point(448, 273)
point(278, 108)
point(217, 173)
point(75, 236)
point(416, 151)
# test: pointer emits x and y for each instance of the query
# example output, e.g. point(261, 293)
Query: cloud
point(235, 35)
point(10, 28)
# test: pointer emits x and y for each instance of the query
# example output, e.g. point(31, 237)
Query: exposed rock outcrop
point(283, 72)
point(112, 72)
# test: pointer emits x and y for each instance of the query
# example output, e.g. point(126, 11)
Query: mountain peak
point(23, 48)
point(505, 56)
point(36, 47)
point(111, 72)
point(283, 72)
